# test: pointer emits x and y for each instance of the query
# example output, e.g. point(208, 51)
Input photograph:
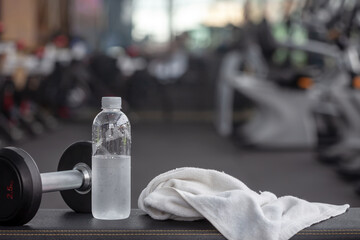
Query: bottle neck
point(112, 109)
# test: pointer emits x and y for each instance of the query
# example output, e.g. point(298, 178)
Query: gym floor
point(160, 146)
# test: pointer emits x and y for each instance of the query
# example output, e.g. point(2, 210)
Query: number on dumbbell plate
point(10, 189)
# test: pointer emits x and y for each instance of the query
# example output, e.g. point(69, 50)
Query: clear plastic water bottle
point(111, 172)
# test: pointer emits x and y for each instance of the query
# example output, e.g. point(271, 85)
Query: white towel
point(235, 210)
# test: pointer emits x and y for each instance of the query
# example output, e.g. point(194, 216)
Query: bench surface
point(65, 224)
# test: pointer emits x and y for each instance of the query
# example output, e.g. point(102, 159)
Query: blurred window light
point(151, 18)
point(189, 14)
point(157, 20)
point(222, 13)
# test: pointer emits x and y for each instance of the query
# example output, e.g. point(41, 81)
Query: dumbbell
point(22, 185)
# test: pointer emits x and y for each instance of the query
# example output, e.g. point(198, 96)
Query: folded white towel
point(235, 210)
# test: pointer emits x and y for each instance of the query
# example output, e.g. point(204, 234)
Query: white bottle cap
point(111, 102)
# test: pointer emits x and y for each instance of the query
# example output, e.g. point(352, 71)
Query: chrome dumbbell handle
point(79, 178)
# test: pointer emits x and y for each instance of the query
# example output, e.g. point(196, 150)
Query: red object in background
point(20, 45)
point(132, 51)
point(40, 51)
point(61, 41)
point(1, 27)
point(25, 107)
point(8, 101)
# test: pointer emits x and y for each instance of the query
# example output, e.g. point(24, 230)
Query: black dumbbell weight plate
point(20, 187)
point(79, 152)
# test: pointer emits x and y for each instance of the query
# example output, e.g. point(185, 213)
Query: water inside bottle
point(111, 180)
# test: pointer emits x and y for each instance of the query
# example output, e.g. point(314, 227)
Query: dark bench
point(65, 224)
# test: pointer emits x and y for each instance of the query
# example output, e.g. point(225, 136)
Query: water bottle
point(111, 174)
